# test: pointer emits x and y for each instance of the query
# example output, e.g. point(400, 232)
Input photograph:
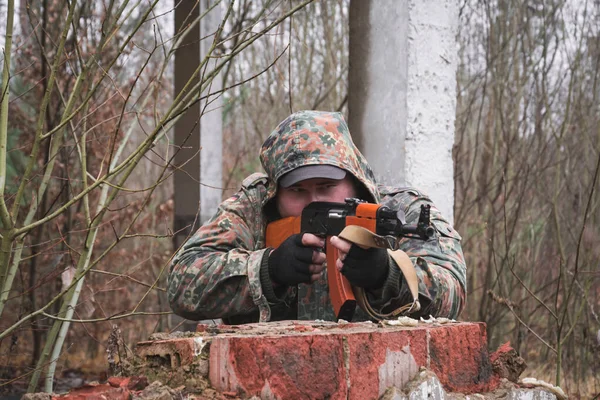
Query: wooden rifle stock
point(340, 291)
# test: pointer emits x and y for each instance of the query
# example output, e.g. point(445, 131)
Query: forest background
point(86, 153)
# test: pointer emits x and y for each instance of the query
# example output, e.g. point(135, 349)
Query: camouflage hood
point(314, 138)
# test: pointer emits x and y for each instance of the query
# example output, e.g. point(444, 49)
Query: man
point(225, 270)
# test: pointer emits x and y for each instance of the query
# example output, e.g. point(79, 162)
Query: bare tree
point(87, 207)
point(310, 72)
point(527, 157)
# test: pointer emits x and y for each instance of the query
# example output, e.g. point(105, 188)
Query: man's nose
point(314, 196)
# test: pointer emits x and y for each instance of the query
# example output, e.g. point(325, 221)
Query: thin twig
point(110, 318)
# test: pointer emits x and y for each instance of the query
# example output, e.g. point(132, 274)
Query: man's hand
point(366, 268)
point(299, 259)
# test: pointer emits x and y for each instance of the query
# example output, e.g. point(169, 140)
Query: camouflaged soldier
point(225, 271)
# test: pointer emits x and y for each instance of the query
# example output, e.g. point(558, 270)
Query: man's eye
point(329, 186)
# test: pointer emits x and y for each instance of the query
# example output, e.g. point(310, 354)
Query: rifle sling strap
point(365, 238)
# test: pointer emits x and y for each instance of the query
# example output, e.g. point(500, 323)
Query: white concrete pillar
point(211, 129)
point(402, 92)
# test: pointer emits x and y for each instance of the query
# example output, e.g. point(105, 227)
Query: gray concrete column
point(198, 133)
point(402, 92)
point(211, 127)
point(187, 137)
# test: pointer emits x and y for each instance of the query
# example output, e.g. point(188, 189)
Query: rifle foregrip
point(340, 291)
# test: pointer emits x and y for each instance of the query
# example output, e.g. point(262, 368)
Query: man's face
point(292, 200)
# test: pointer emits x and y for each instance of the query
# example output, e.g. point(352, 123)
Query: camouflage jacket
point(217, 272)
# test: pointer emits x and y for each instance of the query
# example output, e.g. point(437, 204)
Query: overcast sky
point(2, 24)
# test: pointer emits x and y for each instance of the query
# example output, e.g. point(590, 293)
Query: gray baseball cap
point(310, 172)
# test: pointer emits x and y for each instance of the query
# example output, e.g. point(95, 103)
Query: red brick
point(459, 357)
point(503, 350)
point(295, 366)
point(384, 358)
point(96, 392)
point(507, 363)
point(118, 381)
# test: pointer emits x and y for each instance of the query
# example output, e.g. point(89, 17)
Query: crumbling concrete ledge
point(313, 359)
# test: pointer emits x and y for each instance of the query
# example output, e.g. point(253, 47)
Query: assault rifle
point(326, 219)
